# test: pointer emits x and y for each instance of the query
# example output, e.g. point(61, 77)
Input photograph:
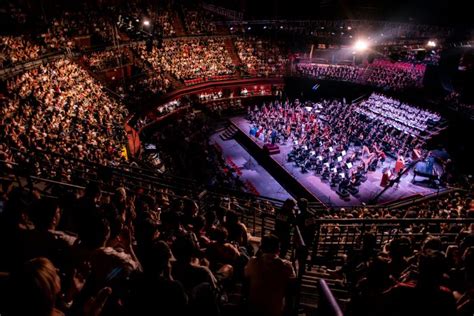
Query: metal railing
point(328, 305)
point(333, 238)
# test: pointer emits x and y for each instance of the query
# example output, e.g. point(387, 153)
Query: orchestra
point(334, 139)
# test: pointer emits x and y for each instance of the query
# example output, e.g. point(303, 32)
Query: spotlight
point(146, 23)
point(431, 44)
point(361, 45)
point(349, 28)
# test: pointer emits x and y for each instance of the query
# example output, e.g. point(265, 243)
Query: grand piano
point(425, 169)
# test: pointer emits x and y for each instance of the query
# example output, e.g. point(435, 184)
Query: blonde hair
point(36, 287)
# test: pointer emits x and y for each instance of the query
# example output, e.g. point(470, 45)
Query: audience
point(15, 50)
point(331, 72)
point(103, 60)
point(59, 108)
point(395, 75)
point(199, 22)
point(107, 244)
point(260, 57)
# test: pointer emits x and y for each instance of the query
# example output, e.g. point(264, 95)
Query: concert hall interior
point(235, 157)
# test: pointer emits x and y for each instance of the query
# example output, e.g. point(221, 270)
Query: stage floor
point(327, 195)
point(252, 174)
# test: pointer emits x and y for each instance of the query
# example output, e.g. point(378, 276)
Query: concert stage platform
point(311, 186)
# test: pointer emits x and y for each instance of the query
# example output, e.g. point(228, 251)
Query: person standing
point(271, 280)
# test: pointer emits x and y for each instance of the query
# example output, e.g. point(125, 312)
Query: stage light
point(349, 28)
point(146, 23)
point(431, 44)
point(361, 45)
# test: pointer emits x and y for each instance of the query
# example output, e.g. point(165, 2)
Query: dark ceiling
point(420, 11)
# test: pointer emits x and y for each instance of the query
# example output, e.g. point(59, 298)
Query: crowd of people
point(160, 17)
point(59, 108)
point(404, 117)
point(340, 142)
point(380, 73)
point(63, 30)
point(260, 57)
point(414, 54)
point(395, 75)
point(105, 251)
point(331, 72)
point(102, 60)
point(194, 58)
point(98, 246)
point(17, 49)
point(199, 22)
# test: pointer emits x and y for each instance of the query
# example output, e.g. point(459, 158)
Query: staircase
point(229, 46)
point(175, 83)
point(366, 72)
point(221, 29)
point(178, 25)
point(229, 133)
point(309, 294)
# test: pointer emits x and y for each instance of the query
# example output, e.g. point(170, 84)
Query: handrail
point(299, 237)
point(148, 176)
point(328, 305)
point(348, 221)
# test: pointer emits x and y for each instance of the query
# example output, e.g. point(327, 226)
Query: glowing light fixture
point(361, 45)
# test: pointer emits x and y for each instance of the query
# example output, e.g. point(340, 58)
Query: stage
point(255, 177)
point(319, 189)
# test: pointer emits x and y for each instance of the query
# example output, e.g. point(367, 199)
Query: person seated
point(45, 240)
point(156, 288)
point(425, 296)
point(199, 282)
point(35, 289)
